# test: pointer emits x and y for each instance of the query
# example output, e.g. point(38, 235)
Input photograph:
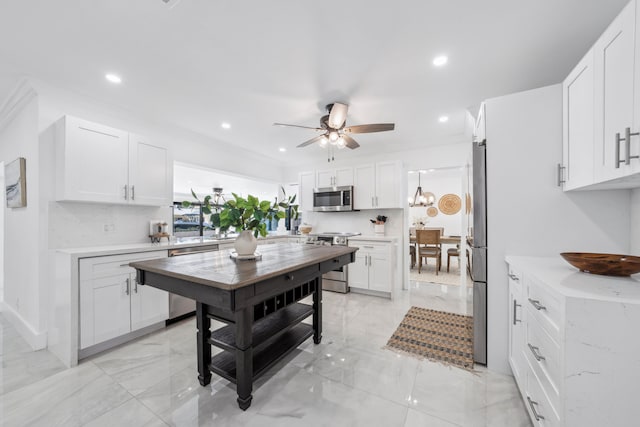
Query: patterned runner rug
point(435, 335)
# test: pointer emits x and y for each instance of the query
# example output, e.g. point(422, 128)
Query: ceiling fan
point(335, 131)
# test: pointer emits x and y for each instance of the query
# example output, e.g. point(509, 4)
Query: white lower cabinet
point(373, 268)
point(573, 344)
point(112, 303)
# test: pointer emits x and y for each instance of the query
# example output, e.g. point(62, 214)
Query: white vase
point(378, 228)
point(245, 243)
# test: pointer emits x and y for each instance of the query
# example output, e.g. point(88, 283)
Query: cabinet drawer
point(545, 308)
point(106, 266)
point(536, 400)
point(370, 247)
point(541, 346)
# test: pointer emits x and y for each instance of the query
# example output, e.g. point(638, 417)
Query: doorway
point(437, 201)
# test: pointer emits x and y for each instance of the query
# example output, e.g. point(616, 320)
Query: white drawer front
point(106, 266)
point(540, 409)
point(370, 247)
point(544, 356)
point(545, 309)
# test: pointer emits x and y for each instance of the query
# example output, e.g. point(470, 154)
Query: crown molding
point(19, 97)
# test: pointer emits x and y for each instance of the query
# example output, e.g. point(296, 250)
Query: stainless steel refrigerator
point(479, 251)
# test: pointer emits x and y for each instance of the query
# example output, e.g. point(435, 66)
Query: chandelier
point(422, 198)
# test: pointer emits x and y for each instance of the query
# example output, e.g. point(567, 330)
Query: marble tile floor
point(347, 380)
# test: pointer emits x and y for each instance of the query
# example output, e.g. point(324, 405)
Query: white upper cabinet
point(578, 127)
point(614, 72)
point(334, 177)
point(377, 186)
point(96, 163)
point(149, 177)
point(92, 162)
point(364, 186)
point(307, 182)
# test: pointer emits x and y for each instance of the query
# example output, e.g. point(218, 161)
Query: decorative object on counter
point(435, 335)
point(450, 204)
point(432, 211)
point(603, 264)
point(157, 237)
point(305, 228)
point(249, 217)
point(422, 198)
point(467, 206)
point(15, 175)
point(378, 226)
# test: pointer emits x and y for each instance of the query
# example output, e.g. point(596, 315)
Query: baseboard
point(37, 340)
point(370, 292)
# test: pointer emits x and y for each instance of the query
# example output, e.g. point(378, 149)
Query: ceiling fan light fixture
point(333, 137)
point(324, 141)
point(341, 143)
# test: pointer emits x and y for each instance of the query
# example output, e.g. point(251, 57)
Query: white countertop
point(570, 282)
point(147, 247)
point(374, 238)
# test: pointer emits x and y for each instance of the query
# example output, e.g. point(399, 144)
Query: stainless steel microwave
point(333, 199)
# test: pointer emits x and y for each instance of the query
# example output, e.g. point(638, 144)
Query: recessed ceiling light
point(443, 119)
point(113, 78)
point(226, 125)
point(439, 61)
point(282, 150)
point(423, 171)
point(432, 170)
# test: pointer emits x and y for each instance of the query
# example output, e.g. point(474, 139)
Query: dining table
point(445, 240)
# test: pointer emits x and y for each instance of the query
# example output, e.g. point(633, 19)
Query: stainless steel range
point(335, 280)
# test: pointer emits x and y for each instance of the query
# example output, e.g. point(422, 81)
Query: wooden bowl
point(604, 264)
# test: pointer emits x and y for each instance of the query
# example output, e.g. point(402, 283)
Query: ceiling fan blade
point(337, 115)
point(377, 127)
point(297, 126)
point(350, 142)
point(311, 141)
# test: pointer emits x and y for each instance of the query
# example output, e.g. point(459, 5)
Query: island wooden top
point(218, 270)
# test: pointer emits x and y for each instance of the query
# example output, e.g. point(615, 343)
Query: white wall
point(527, 213)
point(635, 223)
point(22, 228)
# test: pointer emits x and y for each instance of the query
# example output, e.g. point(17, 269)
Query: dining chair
point(453, 252)
point(429, 247)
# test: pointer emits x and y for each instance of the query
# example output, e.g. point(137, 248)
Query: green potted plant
point(248, 217)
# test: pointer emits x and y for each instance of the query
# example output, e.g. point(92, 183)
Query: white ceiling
point(252, 63)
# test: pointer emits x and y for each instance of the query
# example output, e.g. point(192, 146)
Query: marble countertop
point(148, 247)
point(374, 238)
point(570, 282)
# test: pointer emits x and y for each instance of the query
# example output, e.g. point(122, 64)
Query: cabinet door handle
point(135, 286)
point(133, 194)
point(561, 175)
point(377, 201)
point(124, 265)
point(372, 203)
point(536, 352)
point(514, 277)
point(515, 307)
point(532, 404)
point(627, 147)
point(126, 289)
point(536, 304)
point(126, 192)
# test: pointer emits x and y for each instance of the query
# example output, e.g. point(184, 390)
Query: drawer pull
point(514, 277)
point(536, 304)
point(532, 405)
point(515, 307)
point(368, 247)
point(124, 265)
point(127, 287)
point(536, 353)
point(335, 261)
point(288, 277)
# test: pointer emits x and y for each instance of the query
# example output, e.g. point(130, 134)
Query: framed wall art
point(15, 176)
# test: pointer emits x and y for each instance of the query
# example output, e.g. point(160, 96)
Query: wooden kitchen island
point(257, 300)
